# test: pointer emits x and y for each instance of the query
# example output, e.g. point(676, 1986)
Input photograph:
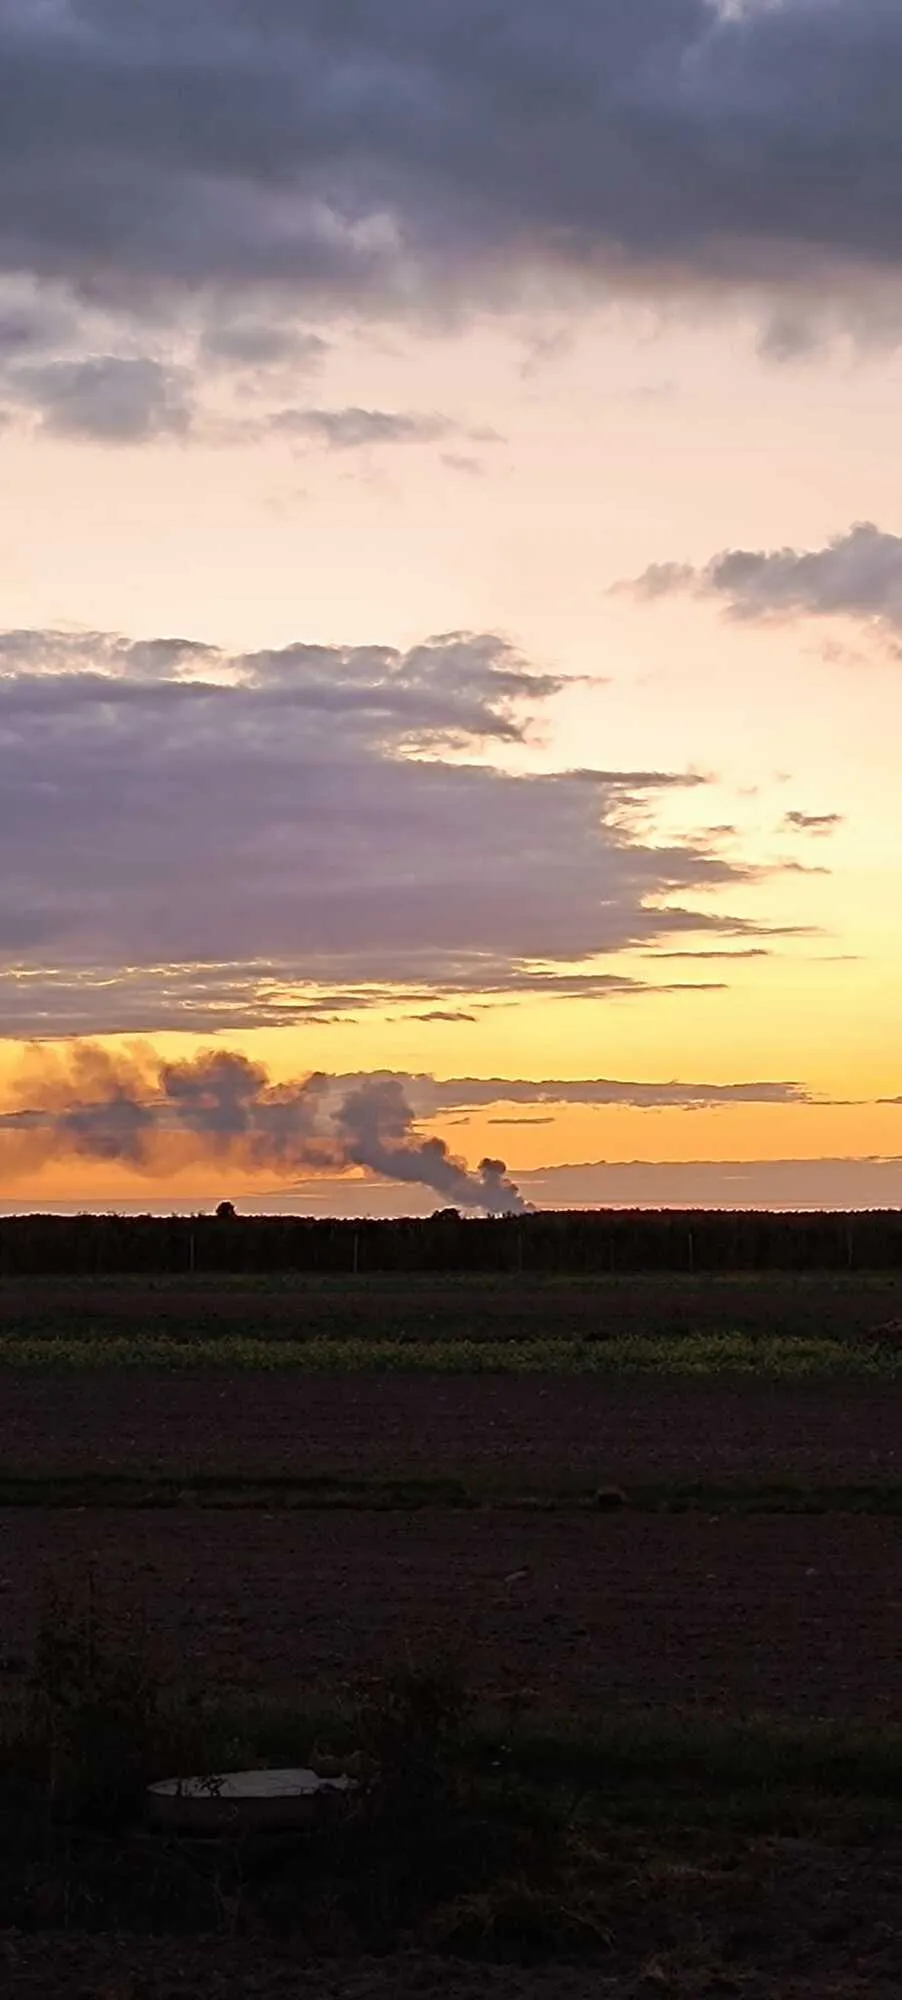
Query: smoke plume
point(221, 1107)
point(376, 1121)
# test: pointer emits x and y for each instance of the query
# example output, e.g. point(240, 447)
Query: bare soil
point(790, 1616)
point(531, 1427)
point(464, 1306)
point(799, 1615)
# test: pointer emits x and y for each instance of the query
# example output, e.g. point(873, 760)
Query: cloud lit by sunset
point(450, 604)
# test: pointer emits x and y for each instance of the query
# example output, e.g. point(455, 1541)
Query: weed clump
point(93, 1709)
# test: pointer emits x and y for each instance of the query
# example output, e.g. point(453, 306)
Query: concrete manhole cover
point(233, 1800)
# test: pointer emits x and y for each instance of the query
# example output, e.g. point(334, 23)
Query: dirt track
point(527, 1425)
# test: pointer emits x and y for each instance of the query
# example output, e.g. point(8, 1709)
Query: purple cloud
point(201, 840)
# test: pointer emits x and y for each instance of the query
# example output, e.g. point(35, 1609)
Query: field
point(672, 1594)
point(780, 1325)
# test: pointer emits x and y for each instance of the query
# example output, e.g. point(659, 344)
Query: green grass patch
point(785, 1358)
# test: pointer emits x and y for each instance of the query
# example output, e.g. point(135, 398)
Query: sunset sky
point(450, 601)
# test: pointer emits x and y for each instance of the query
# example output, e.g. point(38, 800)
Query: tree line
point(545, 1243)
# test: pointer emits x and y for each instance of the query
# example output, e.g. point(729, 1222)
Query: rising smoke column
point(121, 1108)
point(377, 1122)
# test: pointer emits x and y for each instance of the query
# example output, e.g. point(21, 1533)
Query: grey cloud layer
point(74, 372)
point(431, 1096)
point(208, 841)
point(469, 1093)
point(119, 399)
point(790, 1184)
point(856, 575)
point(113, 399)
point(352, 429)
point(390, 157)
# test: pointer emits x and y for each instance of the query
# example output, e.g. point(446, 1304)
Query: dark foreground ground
point(563, 1613)
point(67, 1968)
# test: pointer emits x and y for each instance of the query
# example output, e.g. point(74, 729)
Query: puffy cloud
point(819, 823)
point(418, 155)
point(353, 429)
point(108, 398)
point(32, 653)
point(856, 575)
point(201, 840)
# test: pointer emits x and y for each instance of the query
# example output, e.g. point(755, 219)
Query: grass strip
point(785, 1358)
point(822, 1779)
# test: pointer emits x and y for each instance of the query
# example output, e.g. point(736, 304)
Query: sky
point(450, 603)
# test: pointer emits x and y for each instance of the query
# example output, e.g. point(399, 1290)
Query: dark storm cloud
point(408, 154)
point(210, 841)
point(856, 575)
